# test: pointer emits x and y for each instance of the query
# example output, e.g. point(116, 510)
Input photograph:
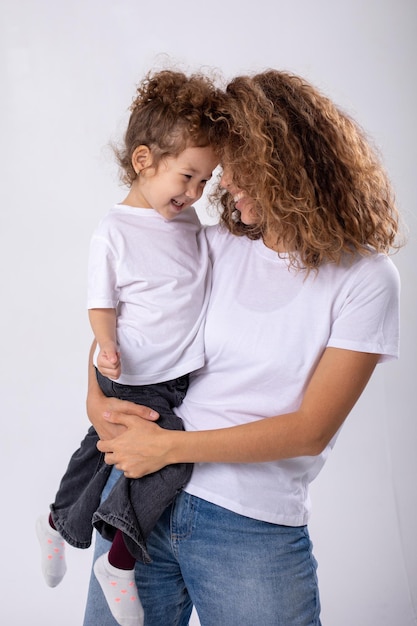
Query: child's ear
point(141, 158)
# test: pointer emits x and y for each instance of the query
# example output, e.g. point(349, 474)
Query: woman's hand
point(141, 448)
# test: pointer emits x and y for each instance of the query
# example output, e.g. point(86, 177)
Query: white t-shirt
point(156, 273)
point(266, 329)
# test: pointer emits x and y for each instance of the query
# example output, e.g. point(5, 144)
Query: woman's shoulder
point(221, 241)
point(377, 264)
point(364, 273)
point(218, 236)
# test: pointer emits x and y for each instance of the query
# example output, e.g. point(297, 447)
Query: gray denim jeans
point(133, 505)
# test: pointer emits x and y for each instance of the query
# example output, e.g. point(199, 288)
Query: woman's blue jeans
point(236, 571)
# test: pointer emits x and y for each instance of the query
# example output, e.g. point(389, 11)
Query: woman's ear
point(141, 158)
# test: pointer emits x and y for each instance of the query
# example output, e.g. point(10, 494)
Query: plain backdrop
point(68, 71)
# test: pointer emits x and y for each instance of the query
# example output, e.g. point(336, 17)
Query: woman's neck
point(272, 241)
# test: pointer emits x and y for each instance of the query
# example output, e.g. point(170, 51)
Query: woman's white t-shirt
point(266, 328)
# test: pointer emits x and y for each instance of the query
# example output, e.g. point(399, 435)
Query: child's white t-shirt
point(156, 273)
point(266, 329)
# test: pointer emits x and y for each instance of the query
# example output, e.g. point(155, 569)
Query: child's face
point(177, 182)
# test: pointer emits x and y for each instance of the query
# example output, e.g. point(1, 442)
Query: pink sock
point(52, 552)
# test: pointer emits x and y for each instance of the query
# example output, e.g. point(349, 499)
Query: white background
point(68, 73)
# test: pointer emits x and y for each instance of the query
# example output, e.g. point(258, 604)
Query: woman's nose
point(225, 180)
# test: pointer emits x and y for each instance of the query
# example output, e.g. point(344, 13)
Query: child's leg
point(119, 556)
point(116, 574)
point(52, 551)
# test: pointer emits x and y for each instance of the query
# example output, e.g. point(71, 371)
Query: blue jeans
point(132, 506)
point(236, 571)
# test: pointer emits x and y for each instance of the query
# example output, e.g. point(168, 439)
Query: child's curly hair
point(172, 111)
point(316, 182)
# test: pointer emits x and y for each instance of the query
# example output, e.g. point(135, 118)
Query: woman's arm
point(336, 385)
point(98, 406)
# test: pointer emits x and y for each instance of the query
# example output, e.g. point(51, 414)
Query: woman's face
point(243, 203)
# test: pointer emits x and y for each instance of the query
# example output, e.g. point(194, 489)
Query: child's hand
point(108, 361)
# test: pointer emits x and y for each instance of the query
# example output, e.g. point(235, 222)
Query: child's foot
point(52, 552)
point(120, 591)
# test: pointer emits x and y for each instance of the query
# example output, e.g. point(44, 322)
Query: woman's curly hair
point(317, 184)
point(172, 111)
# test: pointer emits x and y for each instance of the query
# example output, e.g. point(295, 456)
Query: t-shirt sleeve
point(368, 320)
point(102, 290)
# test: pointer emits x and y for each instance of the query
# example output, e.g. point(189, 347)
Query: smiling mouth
point(179, 205)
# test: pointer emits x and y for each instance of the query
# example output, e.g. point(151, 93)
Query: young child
point(149, 280)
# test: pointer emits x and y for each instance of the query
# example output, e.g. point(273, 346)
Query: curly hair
point(172, 111)
point(316, 182)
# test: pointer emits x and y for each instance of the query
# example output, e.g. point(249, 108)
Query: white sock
point(52, 552)
point(120, 591)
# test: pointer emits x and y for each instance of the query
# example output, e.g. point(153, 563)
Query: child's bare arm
point(103, 324)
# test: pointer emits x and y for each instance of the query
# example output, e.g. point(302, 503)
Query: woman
point(304, 304)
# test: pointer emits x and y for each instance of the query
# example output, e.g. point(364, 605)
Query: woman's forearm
point(333, 390)
point(145, 448)
point(260, 441)
point(336, 385)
